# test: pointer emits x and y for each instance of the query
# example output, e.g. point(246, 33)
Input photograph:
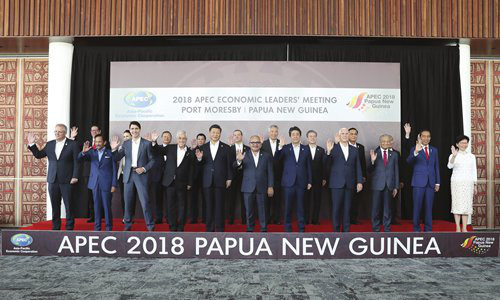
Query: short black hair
point(127, 131)
point(239, 130)
point(166, 131)
point(294, 128)
point(135, 123)
point(352, 128)
point(95, 125)
point(201, 134)
point(216, 127)
point(423, 130)
point(99, 135)
point(312, 131)
point(461, 138)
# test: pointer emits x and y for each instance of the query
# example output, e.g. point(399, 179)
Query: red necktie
point(385, 157)
point(93, 145)
point(426, 153)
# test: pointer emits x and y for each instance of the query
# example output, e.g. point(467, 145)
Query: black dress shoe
point(355, 222)
point(277, 223)
point(231, 222)
point(244, 222)
point(127, 228)
point(151, 229)
point(192, 222)
point(90, 220)
point(158, 221)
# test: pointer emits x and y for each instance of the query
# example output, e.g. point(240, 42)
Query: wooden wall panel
point(357, 18)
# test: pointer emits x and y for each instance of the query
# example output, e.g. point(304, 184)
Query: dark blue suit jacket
point(218, 170)
point(383, 175)
point(145, 158)
point(344, 173)
point(256, 178)
point(300, 171)
point(102, 172)
point(64, 168)
point(424, 171)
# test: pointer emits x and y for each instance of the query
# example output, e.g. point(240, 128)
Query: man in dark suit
point(345, 178)
point(139, 160)
point(159, 193)
point(102, 179)
point(425, 180)
point(313, 196)
point(196, 193)
point(62, 154)
point(119, 176)
point(385, 182)
point(214, 158)
point(235, 196)
point(297, 177)
point(177, 177)
point(274, 203)
point(357, 197)
point(258, 181)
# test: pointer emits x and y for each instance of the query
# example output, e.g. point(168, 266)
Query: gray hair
point(63, 126)
point(385, 135)
point(180, 132)
point(273, 126)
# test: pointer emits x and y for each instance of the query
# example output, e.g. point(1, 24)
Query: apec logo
point(140, 99)
point(21, 240)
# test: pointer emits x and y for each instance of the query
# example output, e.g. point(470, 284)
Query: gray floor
point(120, 278)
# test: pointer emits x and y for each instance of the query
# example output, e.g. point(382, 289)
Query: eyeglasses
point(256, 143)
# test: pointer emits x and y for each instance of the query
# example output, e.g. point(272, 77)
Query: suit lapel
point(139, 150)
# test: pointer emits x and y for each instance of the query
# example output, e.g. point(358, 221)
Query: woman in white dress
point(463, 181)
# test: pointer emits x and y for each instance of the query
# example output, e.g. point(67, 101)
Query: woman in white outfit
point(463, 181)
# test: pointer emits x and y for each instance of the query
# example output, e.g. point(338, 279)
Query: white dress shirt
point(135, 151)
point(296, 151)
point(273, 145)
point(180, 154)
point(239, 147)
point(214, 148)
point(345, 149)
point(313, 150)
point(256, 157)
point(164, 156)
point(59, 147)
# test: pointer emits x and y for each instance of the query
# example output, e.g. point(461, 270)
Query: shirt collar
point(216, 143)
point(62, 142)
point(136, 142)
point(352, 144)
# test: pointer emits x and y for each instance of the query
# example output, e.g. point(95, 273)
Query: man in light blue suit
point(257, 181)
point(425, 180)
point(385, 181)
point(345, 178)
point(297, 177)
point(102, 179)
point(139, 160)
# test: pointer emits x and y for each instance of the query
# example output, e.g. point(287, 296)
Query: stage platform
point(324, 226)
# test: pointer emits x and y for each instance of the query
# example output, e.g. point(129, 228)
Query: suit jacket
point(385, 175)
point(362, 158)
point(182, 174)
point(64, 168)
point(424, 171)
point(296, 171)
point(218, 170)
point(344, 173)
point(258, 178)
point(102, 172)
point(155, 175)
point(145, 158)
point(277, 164)
point(318, 166)
point(237, 175)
